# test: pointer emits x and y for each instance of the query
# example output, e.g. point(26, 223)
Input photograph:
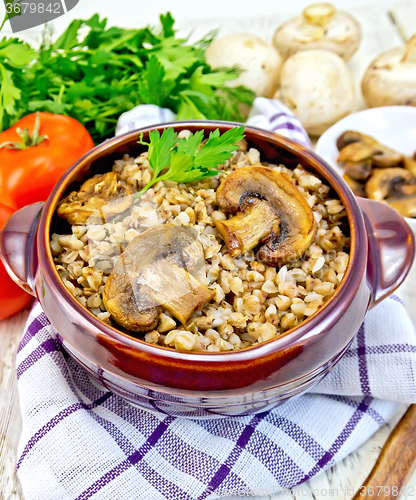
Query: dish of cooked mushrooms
point(213, 265)
point(377, 172)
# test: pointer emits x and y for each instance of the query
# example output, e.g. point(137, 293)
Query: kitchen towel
point(80, 441)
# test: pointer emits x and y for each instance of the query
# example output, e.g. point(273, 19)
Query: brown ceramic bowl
point(224, 383)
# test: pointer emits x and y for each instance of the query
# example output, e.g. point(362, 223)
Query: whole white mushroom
point(391, 77)
point(318, 87)
point(320, 26)
point(260, 63)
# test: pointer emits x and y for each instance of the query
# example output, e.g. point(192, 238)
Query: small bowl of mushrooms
point(375, 152)
point(202, 270)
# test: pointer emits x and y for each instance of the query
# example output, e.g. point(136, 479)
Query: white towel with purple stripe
point(80, 441)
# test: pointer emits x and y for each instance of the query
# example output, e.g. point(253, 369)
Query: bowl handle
point(391, 248)
point(18, 240)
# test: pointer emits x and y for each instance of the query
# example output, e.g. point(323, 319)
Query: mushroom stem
point(249, 227)
point(409, 55)
point(319, 14)
point(179, 292)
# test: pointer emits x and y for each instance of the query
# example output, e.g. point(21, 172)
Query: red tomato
point(12, 297)
point(29, 175)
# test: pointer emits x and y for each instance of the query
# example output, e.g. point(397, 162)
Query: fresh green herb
point(182, 160)
point(97, 76)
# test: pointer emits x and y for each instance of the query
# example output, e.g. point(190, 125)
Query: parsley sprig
point(182, 160)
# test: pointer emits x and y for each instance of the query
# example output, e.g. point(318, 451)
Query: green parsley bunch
point(96, 76)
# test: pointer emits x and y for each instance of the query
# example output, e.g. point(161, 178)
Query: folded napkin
point(80, 441)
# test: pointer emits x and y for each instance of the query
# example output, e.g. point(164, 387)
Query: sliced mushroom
point(356, 151)
point(320, 26)
point(133, 311)
point(106, 195)
point(357, 148)
point(238, 233)
point(270, 211)
point(391, 78)
point(359, 171)
point(386, 157)
point(154, 273)
point(395, 186)
point(350, 136)
point(356, 187)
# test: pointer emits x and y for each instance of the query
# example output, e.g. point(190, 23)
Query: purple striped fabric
point(80, 441)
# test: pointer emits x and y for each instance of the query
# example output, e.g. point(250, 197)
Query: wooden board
point(10, 421)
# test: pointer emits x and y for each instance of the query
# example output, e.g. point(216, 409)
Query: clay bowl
point(225, 383)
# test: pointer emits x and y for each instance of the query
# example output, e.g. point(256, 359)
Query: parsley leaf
point(160, 148)
point(219, 148)
point(182, 161)
point(9, 93)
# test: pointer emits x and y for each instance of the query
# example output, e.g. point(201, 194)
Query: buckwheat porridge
point(216, 264)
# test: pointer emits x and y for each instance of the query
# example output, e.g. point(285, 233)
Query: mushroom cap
point(318, 87)
point(297, 225)
point(155, 272)
point(260, 62)
point(391, 78)
point(320, 26)
point(395, 186)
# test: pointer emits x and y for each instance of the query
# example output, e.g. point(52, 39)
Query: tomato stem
point(28, 141)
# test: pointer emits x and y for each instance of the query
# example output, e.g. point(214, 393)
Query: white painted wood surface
point(379, 33)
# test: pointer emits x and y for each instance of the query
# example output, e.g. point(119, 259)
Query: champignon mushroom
point(260, 63)
point(350, 136)
point(361, 151)
point(391, 77)
point(395, 186)
point(320, 26)
point(154, 273)
point(359, 171)
point(270, 211)
point(318, 87)
point(105, 193)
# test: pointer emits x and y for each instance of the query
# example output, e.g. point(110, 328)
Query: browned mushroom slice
point(350, 136)
point(153, 273)
point(357, 147)
point(360, 171)
point(285, 236)
point(106, 195)
point(395, 186)
point(357, 152)
point(356, 187)
point(134, 312)
point(385, 157)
